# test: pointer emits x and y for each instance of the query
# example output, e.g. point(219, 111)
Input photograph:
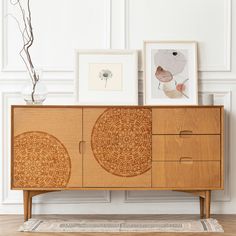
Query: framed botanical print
point(170, 73)
point(106, 77)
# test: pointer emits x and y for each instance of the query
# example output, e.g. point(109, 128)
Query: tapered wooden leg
point(28, 196)
point(208, 203)
point(201, 200)
point(26, 204)
point(30, 207)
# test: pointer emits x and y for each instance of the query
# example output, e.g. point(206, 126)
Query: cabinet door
point(45, 147)
point(117, 147)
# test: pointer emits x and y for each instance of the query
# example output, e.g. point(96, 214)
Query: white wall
point(62, 25)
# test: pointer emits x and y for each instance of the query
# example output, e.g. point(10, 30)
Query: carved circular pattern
point(121, 141)
point(40, 160)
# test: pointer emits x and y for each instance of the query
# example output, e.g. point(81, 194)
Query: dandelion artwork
point(105, 76)
point(171, 73)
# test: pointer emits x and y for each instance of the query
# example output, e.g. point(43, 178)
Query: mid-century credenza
point(176, 148)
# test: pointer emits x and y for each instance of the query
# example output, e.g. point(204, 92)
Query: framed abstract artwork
point(106, 77)
point(170, 73)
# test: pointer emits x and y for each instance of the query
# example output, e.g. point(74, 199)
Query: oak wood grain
point(188, 174)
point(190, 147)
point(193, 120)
point(208, 203)
point(96, 176)
point(64, 124)
point(201, 202)
point(26, 204)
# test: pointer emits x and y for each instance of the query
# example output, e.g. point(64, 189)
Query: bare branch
point(24, 18)
point(28, 39)
point(27, 66)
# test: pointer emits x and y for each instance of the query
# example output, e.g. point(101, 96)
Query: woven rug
point(40, 225)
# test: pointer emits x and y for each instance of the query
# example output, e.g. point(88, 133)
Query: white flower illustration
point(105, 75)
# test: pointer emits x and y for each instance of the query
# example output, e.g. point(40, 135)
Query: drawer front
point(185, 147)
point(186, 120)
point(198, 174)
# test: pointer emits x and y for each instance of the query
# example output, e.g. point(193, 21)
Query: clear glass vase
point(34, 95)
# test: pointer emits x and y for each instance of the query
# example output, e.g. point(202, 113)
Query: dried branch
point(28, 39)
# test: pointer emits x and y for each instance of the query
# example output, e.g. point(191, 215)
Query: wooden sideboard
point(176, 148)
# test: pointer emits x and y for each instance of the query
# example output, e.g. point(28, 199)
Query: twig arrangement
point(28, 39)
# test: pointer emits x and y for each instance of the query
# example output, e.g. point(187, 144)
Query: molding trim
point(156, 197)
point(108, 37)
point(64, 197)
point(226, 65)
point(228, 36)
point(127, 24)
point(4, 44)
point(222, 81)
point(18, 80)
point(74, 197)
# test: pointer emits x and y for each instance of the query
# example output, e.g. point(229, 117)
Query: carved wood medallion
point(121, 141)
point(40, 160)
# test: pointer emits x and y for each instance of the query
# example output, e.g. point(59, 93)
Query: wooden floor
point(10, 223)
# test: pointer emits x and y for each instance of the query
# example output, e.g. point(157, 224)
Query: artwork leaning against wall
point(170, 73)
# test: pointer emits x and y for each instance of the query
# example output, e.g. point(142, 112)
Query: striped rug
point(97, 225)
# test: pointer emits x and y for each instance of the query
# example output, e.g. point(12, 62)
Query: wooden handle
point(182, 133)
point(80, 147)
point(188, 160)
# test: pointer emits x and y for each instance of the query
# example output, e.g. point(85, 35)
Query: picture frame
point(106, 77)
point(170, 73)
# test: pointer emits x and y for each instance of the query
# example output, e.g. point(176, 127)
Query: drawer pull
point(187, 160)
point(81, 147)
point(182, 133)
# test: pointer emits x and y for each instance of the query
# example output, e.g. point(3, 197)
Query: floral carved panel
point(40, 160)
point(121, 141)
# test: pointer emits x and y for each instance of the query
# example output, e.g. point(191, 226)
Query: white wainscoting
point(208, 22)
point(60, 26)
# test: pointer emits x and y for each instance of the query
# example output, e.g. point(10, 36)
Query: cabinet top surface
point(109, 106)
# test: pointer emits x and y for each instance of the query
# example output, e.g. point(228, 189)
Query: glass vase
point(34, 95)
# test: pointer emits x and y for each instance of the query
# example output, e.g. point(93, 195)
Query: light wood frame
point(132, 100)
point(145, 70)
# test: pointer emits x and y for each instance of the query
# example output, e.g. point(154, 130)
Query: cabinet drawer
point(187, 120)
point(185, 147)
point(195, 174)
